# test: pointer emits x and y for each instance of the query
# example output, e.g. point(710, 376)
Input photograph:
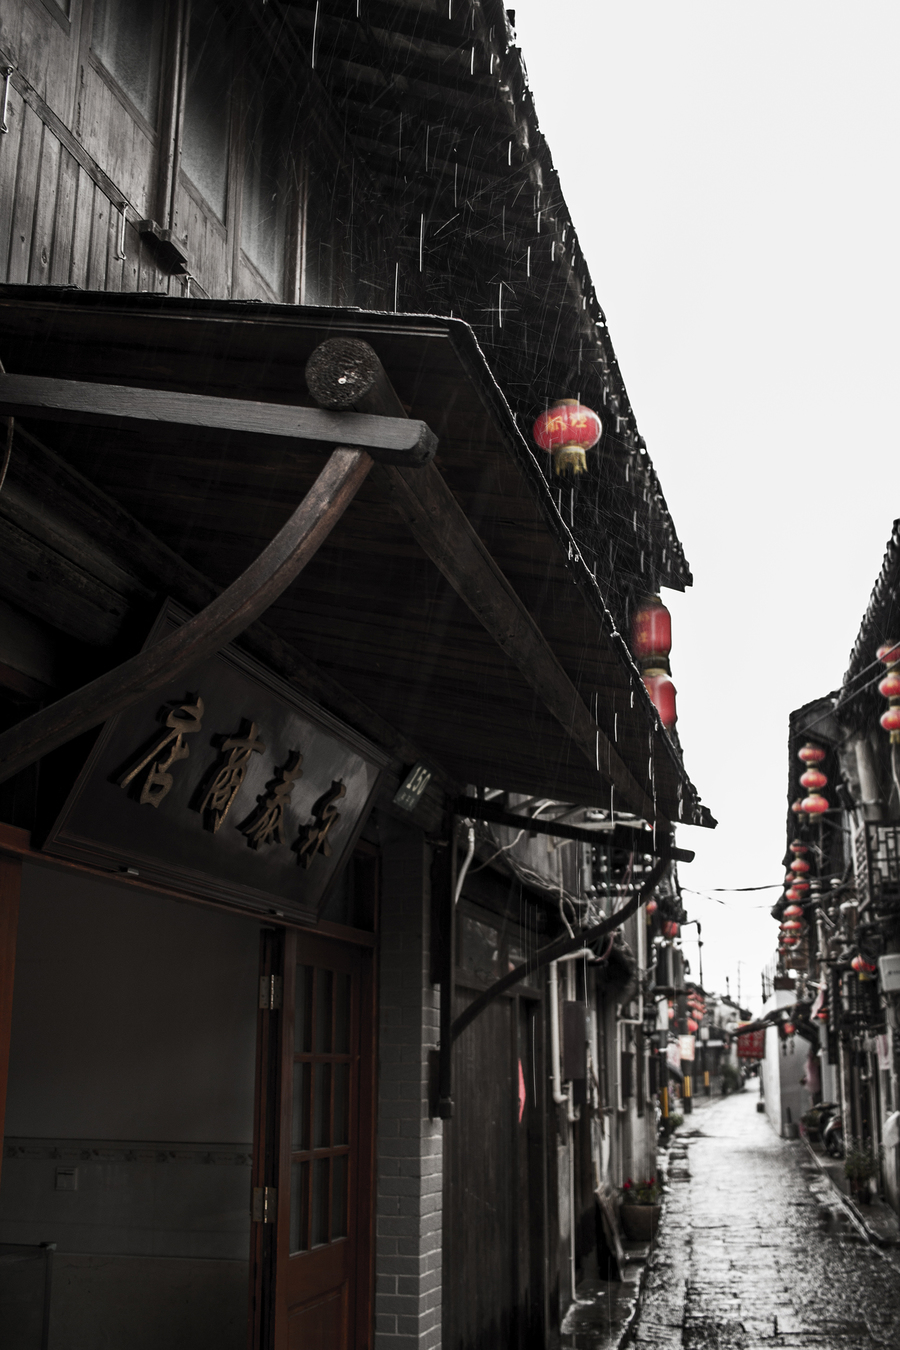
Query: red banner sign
point(751, 1044)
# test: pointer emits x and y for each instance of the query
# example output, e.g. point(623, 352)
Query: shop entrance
point(314, 1261)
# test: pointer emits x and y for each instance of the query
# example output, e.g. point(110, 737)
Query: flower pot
point(640, 1222)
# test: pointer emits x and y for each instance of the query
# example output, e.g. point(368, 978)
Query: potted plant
point(859, 1169)
point(640, 1209)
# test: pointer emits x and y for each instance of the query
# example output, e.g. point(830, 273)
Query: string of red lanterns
point(889, 655)
point(651, 642)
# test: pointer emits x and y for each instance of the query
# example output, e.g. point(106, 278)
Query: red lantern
point(797, 807)
point(792, 926)
point(811, 754)
point(890, 720)
point(662, 694)
point(799, 888)
point(651, 632)
point(864, 969)
point(890, 685)
point(691, 1025)
point(794, 894)
point(822, 1014)
point(671, 1012)
point(671, 929)
point(814, 805)
point(799, 865)
point(789, 1029)
point(567, 430)
point(889, 653)
point(798, 847)
point(813, 778)
point(793, 912)
point(652, 906)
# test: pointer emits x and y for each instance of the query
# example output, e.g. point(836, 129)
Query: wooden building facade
point(295, 629)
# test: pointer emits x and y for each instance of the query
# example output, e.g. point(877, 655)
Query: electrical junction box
point(889, 973)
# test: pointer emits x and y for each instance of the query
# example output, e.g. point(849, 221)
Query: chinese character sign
point(229, 784)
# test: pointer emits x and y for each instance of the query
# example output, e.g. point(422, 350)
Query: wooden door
point(326, 1143)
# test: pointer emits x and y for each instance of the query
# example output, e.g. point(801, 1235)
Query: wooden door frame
point(279, 952)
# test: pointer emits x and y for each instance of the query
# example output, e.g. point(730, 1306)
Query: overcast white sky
point(731, 169)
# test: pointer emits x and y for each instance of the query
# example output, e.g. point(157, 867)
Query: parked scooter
point(833, 1130)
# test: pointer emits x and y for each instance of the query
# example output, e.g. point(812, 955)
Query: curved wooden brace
point(208, 632)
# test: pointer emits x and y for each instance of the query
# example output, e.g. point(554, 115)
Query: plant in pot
point(860, 1167)
point(640, 1209)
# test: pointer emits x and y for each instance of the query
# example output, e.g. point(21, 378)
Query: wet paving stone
point(750, 1256)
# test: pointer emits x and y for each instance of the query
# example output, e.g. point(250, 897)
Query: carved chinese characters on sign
point(219, 789)
point(230, 774)
point(314, 837)
point(181, 721)
point(266, 825)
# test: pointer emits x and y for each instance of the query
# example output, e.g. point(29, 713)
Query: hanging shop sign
point(229, 783)
point(751, 1044)
point(686, 1047)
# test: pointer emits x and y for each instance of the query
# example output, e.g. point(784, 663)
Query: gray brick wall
point(409, 1142)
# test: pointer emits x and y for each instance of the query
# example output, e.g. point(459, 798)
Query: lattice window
point(877, 859)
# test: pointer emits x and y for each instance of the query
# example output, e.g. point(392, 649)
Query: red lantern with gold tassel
point(566, 431)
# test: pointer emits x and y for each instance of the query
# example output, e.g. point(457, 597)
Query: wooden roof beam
point(444, 532)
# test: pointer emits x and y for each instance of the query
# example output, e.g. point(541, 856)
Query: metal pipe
point(470, 853)
point(7, 76)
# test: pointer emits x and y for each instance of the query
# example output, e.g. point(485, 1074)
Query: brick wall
point(409, 1142)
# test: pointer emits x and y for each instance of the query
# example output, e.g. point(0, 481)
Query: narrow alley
point(751, 1252)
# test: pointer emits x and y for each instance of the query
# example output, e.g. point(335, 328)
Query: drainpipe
point(563, 1099)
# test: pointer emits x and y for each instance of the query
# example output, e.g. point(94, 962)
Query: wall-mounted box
point(889, 973)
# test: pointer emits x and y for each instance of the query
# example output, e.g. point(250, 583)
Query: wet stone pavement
point(755, 1253)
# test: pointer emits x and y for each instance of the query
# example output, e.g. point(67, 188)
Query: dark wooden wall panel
point(42, 48)
point(45, 210)
point(112, 135)
point(64, 233)
point(22, 230)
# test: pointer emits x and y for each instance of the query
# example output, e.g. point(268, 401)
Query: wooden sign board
point(229, 784)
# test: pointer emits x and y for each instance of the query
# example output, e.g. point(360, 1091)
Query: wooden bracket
point(208, 632)
point(392, 440)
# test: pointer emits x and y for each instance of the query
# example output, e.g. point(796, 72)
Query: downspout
point(562, 1099)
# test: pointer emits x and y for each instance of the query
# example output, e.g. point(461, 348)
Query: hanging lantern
point(822, 1014)
point(789, 1029)
point(813, 778)
point(799, 865)
point(691, 1025)
point(797, 807)
point(792, 926)
point(799, 888)
point(788, 878)
point(864, 969)
point(671, 1012)
point(793, 912)
point(889, 655)
point(662, 695)
point(566, 431)
point(890, 685)
point(794, 894)
point(798, 847)
point(652, 906)
point(671, 929)
point(890, 720)
point(811, 754)
point(651, 633)
point(814, 805)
